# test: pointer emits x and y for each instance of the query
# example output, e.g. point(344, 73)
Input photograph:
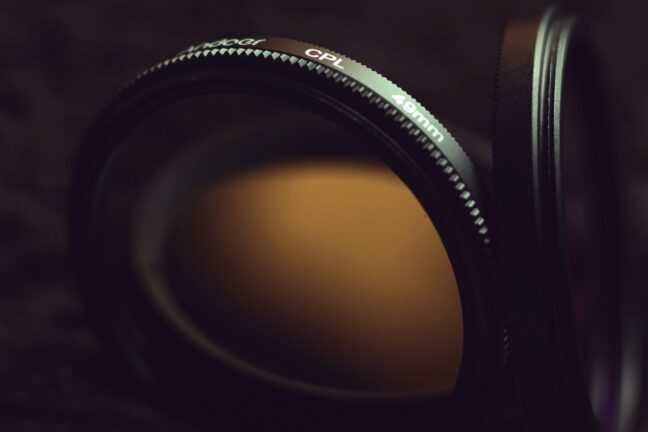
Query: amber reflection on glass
point(324, 271)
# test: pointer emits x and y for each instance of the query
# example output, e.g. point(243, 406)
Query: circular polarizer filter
point(276, 234)
point(556, 193)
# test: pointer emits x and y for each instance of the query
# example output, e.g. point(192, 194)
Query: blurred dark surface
point(61, 61)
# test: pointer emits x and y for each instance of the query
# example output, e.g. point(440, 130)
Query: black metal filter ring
point(438, 172)
point(531, 242)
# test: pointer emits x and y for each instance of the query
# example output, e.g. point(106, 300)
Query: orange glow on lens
point(325, 271)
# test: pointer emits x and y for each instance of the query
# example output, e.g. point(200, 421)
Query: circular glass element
point(285, 247)
point(324, 271)
point(590, 228)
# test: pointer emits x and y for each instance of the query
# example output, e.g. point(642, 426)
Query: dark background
point(60, 61)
